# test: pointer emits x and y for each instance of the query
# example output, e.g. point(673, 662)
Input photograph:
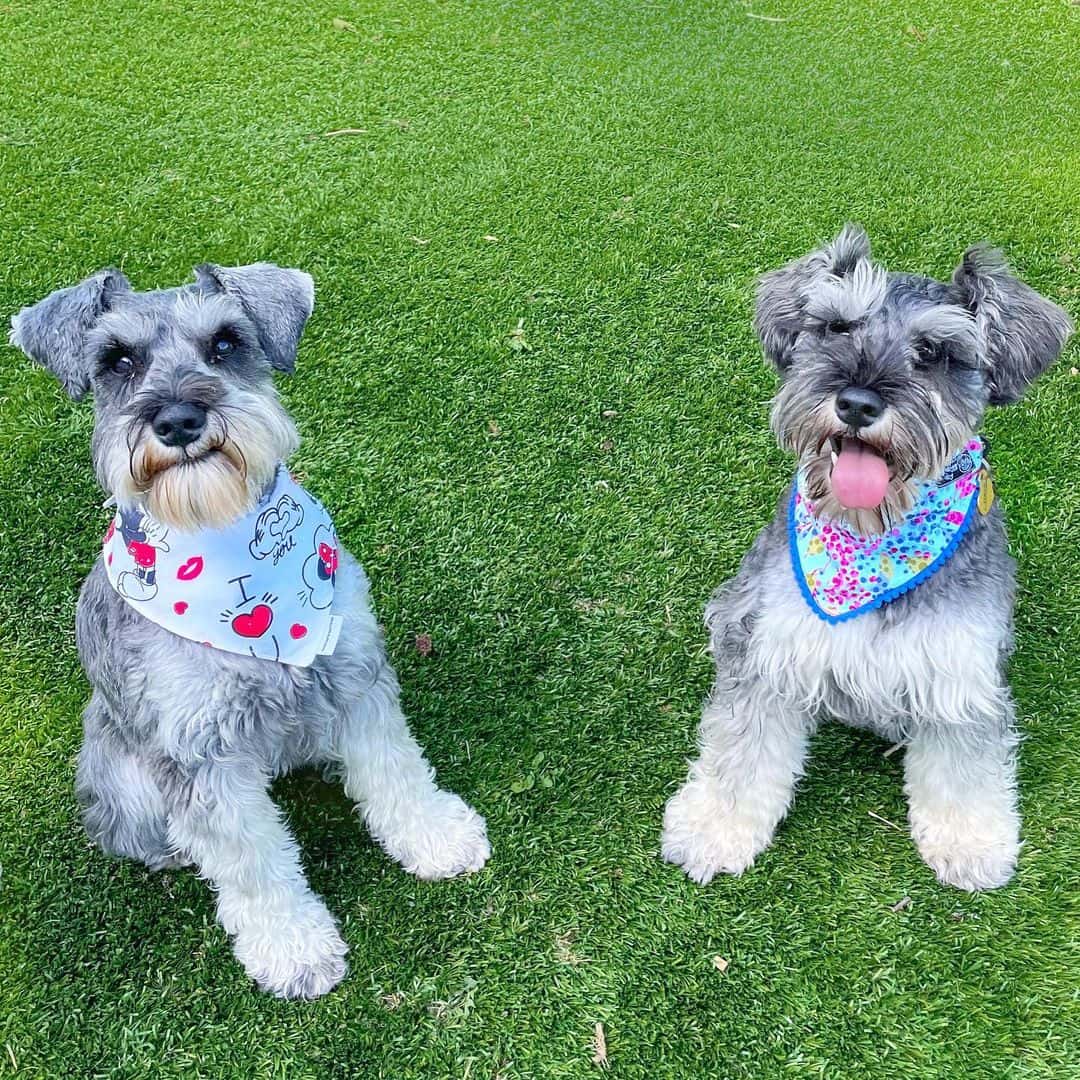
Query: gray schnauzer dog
point(182, 741)
point(884, 381)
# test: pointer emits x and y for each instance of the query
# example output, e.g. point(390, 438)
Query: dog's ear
point(53, 331)
point(783, 295)
point(278, 301)
point(1021, 333)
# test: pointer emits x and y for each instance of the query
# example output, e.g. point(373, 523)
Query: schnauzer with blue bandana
point(227, 636)
point(882, 592)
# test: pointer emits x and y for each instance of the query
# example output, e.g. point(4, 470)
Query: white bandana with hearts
point(263, 586)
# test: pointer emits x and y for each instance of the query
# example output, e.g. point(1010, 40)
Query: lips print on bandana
point(842, 574)
point(244, 588)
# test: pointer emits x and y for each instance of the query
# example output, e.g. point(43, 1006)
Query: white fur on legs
point(961, 788)
point(294, 951)
point(282, 933)
point(430, 832)
point(753, 746)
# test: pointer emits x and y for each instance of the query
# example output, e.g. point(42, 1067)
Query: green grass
point(553, 507)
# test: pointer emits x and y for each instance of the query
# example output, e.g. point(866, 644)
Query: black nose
point(858, 407)
point(179, 423)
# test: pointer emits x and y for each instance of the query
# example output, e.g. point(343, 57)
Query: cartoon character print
point(144, 538)
point(961, 465)
point(235, 589)
point(274, 527)
point(320, 569)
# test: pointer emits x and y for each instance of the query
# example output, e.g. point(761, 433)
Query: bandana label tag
point(986, 490)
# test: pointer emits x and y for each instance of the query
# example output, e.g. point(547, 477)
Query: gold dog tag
point(986, 490)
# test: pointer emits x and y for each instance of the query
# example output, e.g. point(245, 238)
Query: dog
point(227, 635)
point(881, 593)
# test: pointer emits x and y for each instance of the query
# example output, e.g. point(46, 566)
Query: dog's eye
point(222, 347)
point(118, 362)
point(838, 326)
point(926, 355)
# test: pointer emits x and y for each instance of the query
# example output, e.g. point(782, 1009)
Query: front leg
point(753, 746)
point(221, 814)
point(431, 832)
point(960, 781)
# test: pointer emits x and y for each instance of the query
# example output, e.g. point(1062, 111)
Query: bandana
point(262, 586)
point(842, 574)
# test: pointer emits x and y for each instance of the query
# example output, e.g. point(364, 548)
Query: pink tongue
point(860, 477)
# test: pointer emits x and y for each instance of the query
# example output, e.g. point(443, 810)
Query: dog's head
point(885, 376)
point(187, 419)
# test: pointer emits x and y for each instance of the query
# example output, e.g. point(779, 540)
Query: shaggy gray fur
point(182, 741)
point(928, 668)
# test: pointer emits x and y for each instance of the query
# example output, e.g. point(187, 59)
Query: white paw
point(706, 836)
point(970, 853)
point(294, 954)
point(439, 837)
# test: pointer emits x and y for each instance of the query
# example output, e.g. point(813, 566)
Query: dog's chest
point(884, 669)
point(191, 701)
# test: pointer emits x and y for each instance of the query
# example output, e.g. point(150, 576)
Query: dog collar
point(842, 574)
point(262, 586)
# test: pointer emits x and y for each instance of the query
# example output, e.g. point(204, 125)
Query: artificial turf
point(531, 397)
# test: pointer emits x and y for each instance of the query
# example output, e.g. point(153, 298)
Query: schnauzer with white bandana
point(882, 592)
point(227, 636)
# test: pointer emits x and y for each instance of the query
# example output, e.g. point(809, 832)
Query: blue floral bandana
point(842, 574)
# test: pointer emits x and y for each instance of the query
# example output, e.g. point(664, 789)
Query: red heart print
point(180, 607)
point(192, 569)
point(297, 630)
point(111, 530)
point(255, 623)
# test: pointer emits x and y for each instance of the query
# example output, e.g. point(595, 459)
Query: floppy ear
point(783, 295)
point(1021, 333)
point(276, 300)
point(53, 331)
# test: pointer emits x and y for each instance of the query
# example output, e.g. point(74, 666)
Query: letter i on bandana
point(262, 586)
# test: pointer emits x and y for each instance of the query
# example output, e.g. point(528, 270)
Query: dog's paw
point(298, 954)
point(170, 860)
point(441, 837)
point(970, 854)
point(705, 836)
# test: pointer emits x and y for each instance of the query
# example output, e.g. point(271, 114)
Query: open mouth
point(860, 474)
